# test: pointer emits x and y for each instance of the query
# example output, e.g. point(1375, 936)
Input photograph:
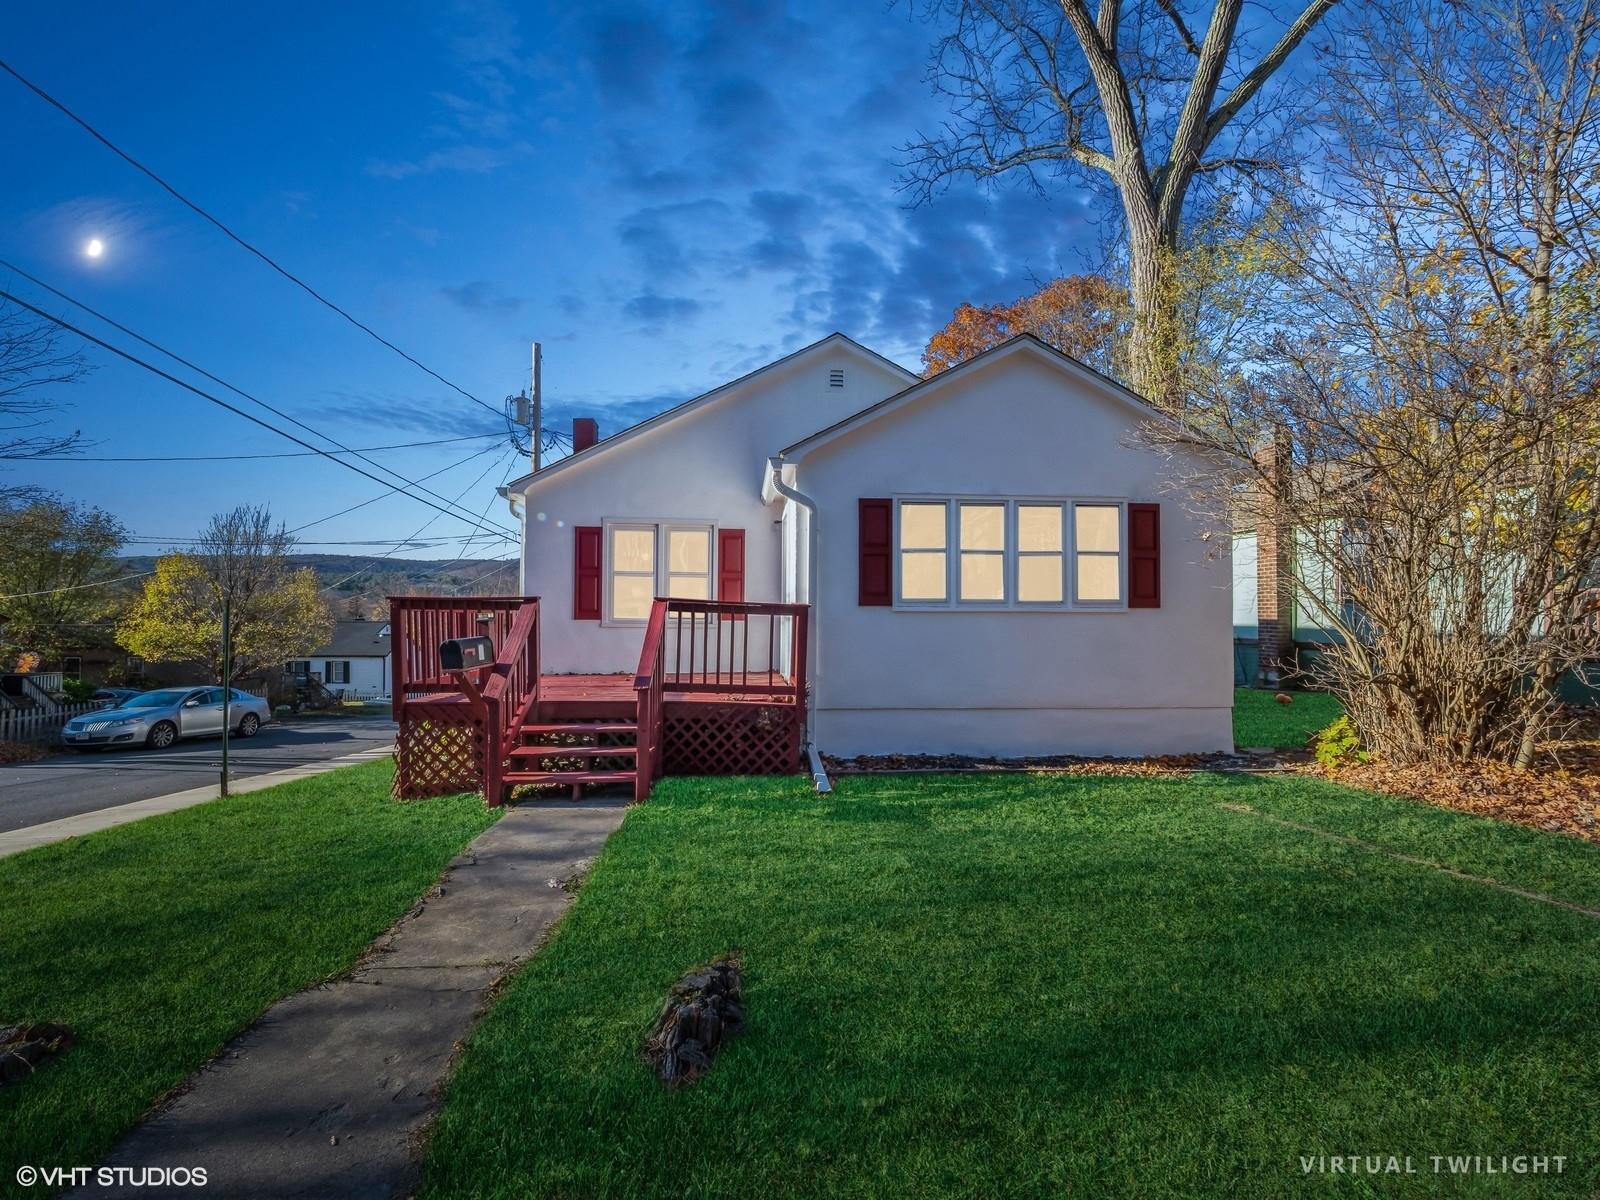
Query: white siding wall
point(1145, 681)
point(704, 466)
point(368, 675)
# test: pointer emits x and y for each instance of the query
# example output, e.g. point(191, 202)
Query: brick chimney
point(1274, 568)
point(585, 433)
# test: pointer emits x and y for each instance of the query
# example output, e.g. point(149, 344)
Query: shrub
point(1339, 745)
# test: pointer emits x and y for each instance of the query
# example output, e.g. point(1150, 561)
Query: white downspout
point(518, 503)
point(818, 774)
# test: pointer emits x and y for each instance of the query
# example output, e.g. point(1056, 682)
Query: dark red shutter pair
point(587, 559)
point(875, 546)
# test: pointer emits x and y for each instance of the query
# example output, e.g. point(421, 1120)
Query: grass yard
point(1259, 720)
point(161, 940)
point(1047, 986)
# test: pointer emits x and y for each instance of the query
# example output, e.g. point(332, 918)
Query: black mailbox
point(462, 654)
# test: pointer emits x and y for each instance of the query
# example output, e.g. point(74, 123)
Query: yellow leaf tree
point(276, 610)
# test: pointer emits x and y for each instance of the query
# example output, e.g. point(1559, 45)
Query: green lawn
point(1259, 720)
point(1047, 986)
point(161, 940)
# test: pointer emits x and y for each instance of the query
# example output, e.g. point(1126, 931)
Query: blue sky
point(665, 195)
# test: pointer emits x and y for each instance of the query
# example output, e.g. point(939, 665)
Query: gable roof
point(355, 639)
point(1022, 343)
point(626, 435)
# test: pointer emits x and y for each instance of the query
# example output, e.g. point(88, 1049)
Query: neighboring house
point(993, 565)
point(355, 662)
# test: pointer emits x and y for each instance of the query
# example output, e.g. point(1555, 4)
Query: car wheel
point(162, 736)
point(249, 725)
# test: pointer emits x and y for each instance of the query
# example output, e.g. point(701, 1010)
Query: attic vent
point(836, 377)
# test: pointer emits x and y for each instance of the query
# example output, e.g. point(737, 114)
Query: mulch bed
point(1549, 797)
point(21, 752)
point(1172, 766)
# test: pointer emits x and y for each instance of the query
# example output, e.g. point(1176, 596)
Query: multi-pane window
point(983, 553)
point(924, 551)
point(1041, 554)
point(648, 559)
point(633, 571)
point(1002, 553)
point(1097, 547)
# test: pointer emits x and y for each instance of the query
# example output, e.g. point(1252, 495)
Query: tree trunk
point(1152, 345)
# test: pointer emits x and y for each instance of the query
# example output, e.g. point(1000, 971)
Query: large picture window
point(990, 553)
point(646, 559)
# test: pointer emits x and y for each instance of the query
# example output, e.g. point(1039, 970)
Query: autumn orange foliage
point(1080, 315)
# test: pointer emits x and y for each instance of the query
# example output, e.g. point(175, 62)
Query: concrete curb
point(18, 840)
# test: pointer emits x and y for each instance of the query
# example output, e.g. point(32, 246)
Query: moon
point(94, 248)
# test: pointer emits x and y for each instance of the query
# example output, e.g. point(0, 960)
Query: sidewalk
point(17, 840)
point(327, 1094)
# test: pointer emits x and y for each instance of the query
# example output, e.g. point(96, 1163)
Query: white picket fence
point(41, 728)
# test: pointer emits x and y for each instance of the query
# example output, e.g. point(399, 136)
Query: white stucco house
point(994, 565)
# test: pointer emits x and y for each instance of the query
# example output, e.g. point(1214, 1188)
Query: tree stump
point(24, 1047)
point(703, 1009)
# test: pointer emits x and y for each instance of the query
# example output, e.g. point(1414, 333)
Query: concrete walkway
point(327, 1093)
point(15, 841)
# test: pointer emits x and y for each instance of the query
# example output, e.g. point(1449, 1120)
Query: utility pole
point(538, 407)
point(227, 688)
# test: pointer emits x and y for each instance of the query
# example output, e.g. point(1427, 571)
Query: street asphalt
point(67, 784)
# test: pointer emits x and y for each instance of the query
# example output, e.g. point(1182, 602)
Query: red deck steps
point(550, 753)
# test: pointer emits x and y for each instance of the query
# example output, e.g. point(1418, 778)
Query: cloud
point(656, 235)
point(445, 415)
point(655, 310)
point(481, 296)
point(785, 218)
point(475, 159)
point(629, 53)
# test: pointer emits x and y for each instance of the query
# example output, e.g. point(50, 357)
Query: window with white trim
point(1097, 553)
point(646, 559)
point(1009, 553)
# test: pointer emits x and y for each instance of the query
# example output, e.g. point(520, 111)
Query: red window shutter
point(586, 560)
point(1144, 556)
point(875, 586)
point(730, 564)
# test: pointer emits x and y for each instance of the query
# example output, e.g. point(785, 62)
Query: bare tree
point(240, 559)
point(1431, 392)
point(1135, 98)
point(32, 361)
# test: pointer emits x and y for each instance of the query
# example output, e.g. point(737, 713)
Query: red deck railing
point(742, 648)
point(417, 624)
point(695, 655)
point(500, 694)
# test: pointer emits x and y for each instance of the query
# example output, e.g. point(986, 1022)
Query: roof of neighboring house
point(356, 639)
point(633, 431)
point(1022, 343)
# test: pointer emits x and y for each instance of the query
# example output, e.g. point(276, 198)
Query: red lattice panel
point(438, 751)
point(731, 739)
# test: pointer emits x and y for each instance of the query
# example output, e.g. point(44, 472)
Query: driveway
point(66, 785)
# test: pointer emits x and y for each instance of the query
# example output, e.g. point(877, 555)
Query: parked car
point(114, 695)
point(158, 719)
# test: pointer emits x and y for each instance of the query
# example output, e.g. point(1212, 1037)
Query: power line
point(471, 437)
point(261, 254)
point(199, 370)
point(420, 531)
point(458, 463)
point(233, 408)
point(77, 587)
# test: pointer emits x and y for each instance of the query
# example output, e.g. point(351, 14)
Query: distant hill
point(358, 583)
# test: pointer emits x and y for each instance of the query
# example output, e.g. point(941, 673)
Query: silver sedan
point(158, 719)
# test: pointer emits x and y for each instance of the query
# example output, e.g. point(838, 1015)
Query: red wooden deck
point(706, 700)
